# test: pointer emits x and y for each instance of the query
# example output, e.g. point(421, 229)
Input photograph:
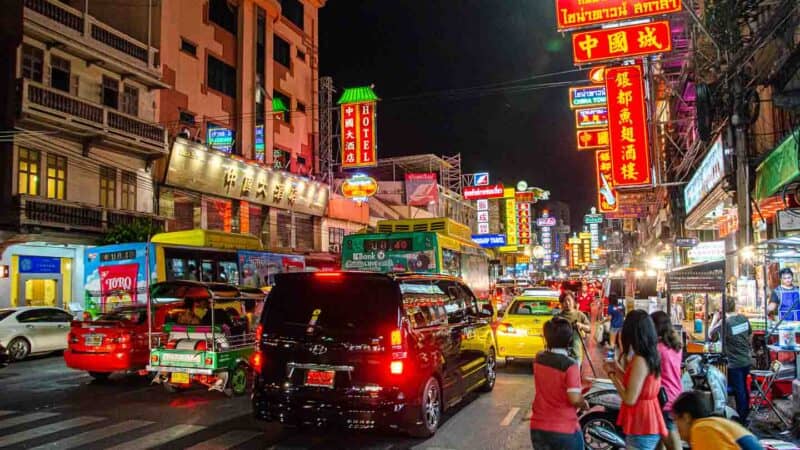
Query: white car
point(29, 330)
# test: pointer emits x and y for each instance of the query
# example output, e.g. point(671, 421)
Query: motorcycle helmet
point(694, 366)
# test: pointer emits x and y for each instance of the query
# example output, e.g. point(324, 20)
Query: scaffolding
point(327, 157)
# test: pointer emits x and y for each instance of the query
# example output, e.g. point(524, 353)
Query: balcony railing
point(40, 99)
point(92, 30)
point(41, 212)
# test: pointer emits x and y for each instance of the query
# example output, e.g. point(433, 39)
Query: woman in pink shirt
point(669, 347)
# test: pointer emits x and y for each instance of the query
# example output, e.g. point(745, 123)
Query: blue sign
point(39, 264)
point(489, 240)
point(581, 97)
point(259, 144)
point(220, 139)
point(481, 179)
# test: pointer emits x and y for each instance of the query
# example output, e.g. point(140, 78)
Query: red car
point(115, 341)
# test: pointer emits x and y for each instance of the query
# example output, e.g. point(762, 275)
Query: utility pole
point(740, 123)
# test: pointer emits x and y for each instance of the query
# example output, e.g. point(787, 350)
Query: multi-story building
point(242, 93)
point(78, 138)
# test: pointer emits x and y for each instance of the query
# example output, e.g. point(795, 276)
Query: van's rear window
point(352, 304)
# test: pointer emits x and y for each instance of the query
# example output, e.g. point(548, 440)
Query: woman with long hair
point(638, 383)
point(669, 349)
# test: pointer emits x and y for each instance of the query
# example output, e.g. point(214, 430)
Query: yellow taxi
point(519, 332)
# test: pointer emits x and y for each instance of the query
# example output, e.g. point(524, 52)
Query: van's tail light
point(398, 340)
point(256, 360)
point(259, 334)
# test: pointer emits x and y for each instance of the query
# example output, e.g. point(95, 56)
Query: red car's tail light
point(396, 367)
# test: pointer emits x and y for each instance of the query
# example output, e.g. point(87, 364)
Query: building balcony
point(44, 105)
point(90, 39)
point(38, 212)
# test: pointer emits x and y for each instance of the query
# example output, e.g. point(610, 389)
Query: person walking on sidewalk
point(554, 424)
point(738, 350)
point(669, 349)
point(638, 383)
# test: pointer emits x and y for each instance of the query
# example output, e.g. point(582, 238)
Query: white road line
point(509, 417)
point(19, 420)
point(32, 433)
point(88, 437)
point(159, 437)
point(227, 440)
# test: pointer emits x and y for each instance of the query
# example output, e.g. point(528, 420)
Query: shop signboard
point(708, 278)
point(39, 264)
point(630, 152)
point(572, 14)
point(483, 192)
point(192, 167)
point(421, 189)
point(259, 143)
point(510, 216)
point(220, 138)
point(707, 251)
point(543, 222)
point(587, 96)
point(592, 138)
point(546, 239)
point(586, 247)
point(359, 187)
point(592, 219)
point(591, 117)
point(620, 43)
point(606, 194)
point(685, 242)
point(489, 240)
point(789, 219)
point(524, 223)
point(525, 197)
point(710, 172)
point(359, 148)
point(481, 179)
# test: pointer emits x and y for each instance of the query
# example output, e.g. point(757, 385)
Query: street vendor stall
point(694, 294)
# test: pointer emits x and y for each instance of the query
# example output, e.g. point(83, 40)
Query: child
point(554, 424)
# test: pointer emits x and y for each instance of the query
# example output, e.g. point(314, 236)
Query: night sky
point(408, 48)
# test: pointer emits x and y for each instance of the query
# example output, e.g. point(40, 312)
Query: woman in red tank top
point(638, 385)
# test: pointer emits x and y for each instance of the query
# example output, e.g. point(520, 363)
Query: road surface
point(44, 404)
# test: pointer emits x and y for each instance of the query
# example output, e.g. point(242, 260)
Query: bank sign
point(705, 179)
point(192, 167)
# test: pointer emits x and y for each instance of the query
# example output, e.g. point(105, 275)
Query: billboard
point(587, 96)
point(489, 240)
point(706, 177)
point(421, 189)
point(627, 127)
point(511, 216)
point(359, 148)
point(581, 13)
point(483, 192)
point(607, 200)
point(621, 43)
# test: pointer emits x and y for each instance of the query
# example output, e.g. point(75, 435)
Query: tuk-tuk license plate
point(93, 340)
point(320, 378)
point(179, 378)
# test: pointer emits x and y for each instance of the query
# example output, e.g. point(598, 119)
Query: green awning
point(278, 105)
point(779, 168)
point(357, 95)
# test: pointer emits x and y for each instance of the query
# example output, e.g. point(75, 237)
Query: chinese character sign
point(524, 223)
point(511, 216)
point(591, 117)
point(623, 42)
point(627, 126)
point(359, 148)
point(606, 194)
point(582, 13)
point(592, 138)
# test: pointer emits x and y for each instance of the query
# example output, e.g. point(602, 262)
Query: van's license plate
point(320, 378)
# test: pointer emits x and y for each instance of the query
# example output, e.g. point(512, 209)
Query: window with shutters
point(56, 176)
point(32, 62)
point(128, 185)
point(130, 100)
point(110, 92)
point(28, 172)
point(108, 187)
point(60, 73)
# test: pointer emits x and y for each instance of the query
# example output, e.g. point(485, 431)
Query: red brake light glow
point(396, 367)
point(327, 274)
point(397, 338)
point(256, 360)
point(259, 333)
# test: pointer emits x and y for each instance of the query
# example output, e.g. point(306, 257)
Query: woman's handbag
point(662, 397)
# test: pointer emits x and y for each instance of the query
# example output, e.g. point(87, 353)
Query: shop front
point(41, 274)
point(207, 189)
point(778, 214)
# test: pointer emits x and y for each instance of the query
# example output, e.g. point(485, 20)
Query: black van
point(368, 350)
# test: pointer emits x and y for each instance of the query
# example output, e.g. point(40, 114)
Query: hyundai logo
point(318, 349)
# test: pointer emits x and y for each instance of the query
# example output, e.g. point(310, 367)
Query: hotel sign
point(193, 167)
point(582, 13)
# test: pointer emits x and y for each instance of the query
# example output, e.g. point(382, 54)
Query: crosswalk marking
point(88, 437)
point(227, 440)
point(32, 433)
point(19, 420)
point(159, 437)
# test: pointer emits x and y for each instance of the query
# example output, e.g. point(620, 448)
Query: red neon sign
point(627, 127)
point(623, 42)
point(358, 135)
point(481, 192)
point(607, 200)
point(592, 138)
point(581, 13)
